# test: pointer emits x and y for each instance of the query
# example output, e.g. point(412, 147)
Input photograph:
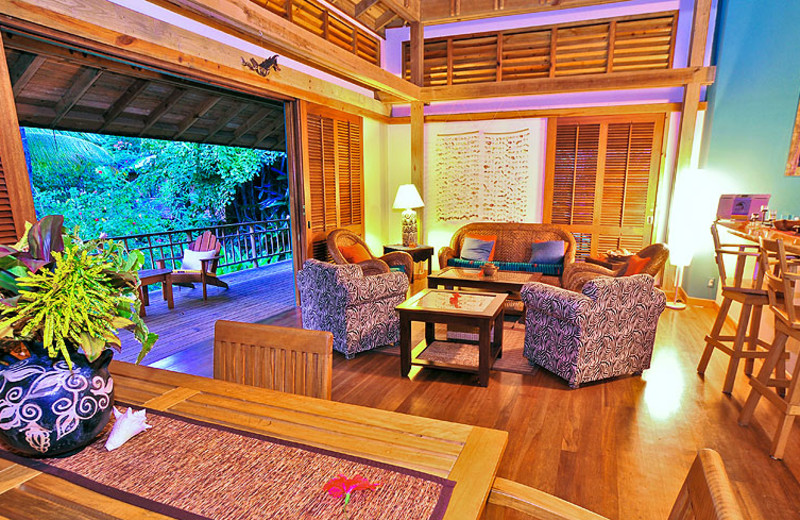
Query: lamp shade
point(407, 197)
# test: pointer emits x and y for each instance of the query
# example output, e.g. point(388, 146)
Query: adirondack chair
point(206, 275)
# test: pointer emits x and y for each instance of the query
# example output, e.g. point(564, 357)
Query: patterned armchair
point(357, 309)
point(607, 330)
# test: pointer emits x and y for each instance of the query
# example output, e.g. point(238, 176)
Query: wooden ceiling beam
point(583, 83)
point(246, 20)
point(85, 80)
point(249, 124)
point(408, 10)
point(187, 123)
point(137, 87)
point(135, 38)
point(362, 7)
point(23, 70)
point(223, 122)
point(163, 108)
point(269, 130)
point(448, 11)
point(384, 20)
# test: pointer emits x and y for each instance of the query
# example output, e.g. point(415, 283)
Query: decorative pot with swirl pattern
point(48, 410)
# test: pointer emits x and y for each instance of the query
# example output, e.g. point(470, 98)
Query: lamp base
point(676, 306)
point(409, 228)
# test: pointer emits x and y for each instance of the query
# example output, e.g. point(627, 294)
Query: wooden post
point(418, 153)
point(12, 156)
point(417, 53)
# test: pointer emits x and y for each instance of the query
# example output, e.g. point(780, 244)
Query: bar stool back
point(752, 300)
point(782, 278)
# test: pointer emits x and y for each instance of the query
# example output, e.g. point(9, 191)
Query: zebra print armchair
point(606, 330)
point(358, 310)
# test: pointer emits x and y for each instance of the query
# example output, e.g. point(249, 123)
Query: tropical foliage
point(70, 294)
point(122, 186)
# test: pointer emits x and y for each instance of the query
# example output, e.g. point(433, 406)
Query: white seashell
point(126, 426)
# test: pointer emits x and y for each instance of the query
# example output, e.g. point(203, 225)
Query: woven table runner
point(193, 470)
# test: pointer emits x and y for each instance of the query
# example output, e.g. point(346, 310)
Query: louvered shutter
point(333, 176)
point(601, 180)
point(8, 230)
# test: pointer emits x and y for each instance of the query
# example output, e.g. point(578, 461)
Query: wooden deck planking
point(187, 331)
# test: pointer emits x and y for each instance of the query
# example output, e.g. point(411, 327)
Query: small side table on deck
point(419, 253)
point(154, 276)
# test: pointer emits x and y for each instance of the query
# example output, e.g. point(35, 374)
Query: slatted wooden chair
point(782, 277)
point(706, 494)
point(207, 274)
point(290, 360)
point(752, 299)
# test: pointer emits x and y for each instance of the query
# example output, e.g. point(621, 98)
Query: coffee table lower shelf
point(461, 356)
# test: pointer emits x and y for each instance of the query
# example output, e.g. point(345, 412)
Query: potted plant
point(65, 298)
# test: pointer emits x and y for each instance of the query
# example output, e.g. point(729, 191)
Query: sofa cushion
point(548, 269)
point(355, 253)
point(478, 248)
point(548, 252)
point(635, 265)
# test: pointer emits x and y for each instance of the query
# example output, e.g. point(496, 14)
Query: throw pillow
point(192, 259)
point(548, 252)
point(635, 265)
point(484, 238)
point(355, 254)
point(477, 250)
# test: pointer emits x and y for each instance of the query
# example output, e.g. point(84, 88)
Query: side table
point(419, 253)
point(154, 276)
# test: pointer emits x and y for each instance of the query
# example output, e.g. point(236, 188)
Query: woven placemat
point(193, 470)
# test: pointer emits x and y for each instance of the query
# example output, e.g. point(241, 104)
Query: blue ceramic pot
point(48, 410)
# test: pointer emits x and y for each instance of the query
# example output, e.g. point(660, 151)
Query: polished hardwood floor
point(620, 448)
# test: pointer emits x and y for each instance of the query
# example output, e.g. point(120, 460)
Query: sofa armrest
point(402, 259)
point(578, 273)
point(377, 287)
point(555, 301)
point(445, 254)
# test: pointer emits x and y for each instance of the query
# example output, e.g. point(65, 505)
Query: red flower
point(454, 300)
point(342, 486)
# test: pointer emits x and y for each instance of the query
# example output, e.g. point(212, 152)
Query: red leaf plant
point(341, 486)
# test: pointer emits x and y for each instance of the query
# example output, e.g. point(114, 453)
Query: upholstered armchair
point(578, 273)
point(341, 239)
point(357, 309)
point(606, 330)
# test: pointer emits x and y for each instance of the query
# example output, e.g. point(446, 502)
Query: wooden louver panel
point(601, 179)
point(321, 21)
point(333, 176)
point(641, 42)
point(8, 232)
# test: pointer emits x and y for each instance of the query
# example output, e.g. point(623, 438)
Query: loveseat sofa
point(512, 248)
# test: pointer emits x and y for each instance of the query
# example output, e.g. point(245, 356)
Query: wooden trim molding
point(793, 162)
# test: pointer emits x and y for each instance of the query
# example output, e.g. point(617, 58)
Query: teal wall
point(751, 111)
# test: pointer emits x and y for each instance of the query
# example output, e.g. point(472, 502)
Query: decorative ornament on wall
point(263, 68)
point(482, 176)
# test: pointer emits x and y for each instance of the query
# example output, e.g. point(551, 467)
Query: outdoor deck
point(186, 333)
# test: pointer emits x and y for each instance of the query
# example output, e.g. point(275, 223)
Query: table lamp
point(407, 199)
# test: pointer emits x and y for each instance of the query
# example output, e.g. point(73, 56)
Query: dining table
point(466, 456)
point(753, 231)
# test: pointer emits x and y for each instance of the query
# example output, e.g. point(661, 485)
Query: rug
point(192, 470)
point(513, 344)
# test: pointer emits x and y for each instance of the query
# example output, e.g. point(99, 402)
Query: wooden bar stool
point(752, 300)
point(782, 277)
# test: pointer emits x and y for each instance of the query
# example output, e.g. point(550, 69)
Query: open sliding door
point(333, 175)
point(601, 179)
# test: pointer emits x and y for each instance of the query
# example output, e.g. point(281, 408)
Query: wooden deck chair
point(290, 360)
point(706, 494)
point(206, 273)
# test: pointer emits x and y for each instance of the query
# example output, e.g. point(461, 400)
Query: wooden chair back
point(208, 242)
point(290, 360)
point(706, 494)
point(742, 253)
point(781, 279)
point(344, 237)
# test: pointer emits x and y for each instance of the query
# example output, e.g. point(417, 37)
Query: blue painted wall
point(751, 111)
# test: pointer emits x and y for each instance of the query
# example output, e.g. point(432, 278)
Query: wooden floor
point(620, 448)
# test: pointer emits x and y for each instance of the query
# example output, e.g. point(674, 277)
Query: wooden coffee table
point(482, 310)
point(510, 282)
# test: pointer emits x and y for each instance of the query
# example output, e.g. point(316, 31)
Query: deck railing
point(244, 245)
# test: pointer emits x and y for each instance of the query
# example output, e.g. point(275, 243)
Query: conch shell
point(126, 426)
